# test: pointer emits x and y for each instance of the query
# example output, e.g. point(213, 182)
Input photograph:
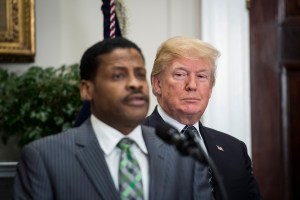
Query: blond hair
point(184, 47)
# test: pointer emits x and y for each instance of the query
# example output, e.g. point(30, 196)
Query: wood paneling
point(265, 99)
point(275, 96)
point(292, 8)
point(293, 130)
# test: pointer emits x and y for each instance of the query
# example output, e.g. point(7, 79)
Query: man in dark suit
point(182, 79)
point(110, 156)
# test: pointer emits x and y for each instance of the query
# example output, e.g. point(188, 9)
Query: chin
point(192, 112)
point(191, 109)
point(137, 117)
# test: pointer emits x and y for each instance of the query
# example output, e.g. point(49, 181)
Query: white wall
point(65, 28)
point(225, 25)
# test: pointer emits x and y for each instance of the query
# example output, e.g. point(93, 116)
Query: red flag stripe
point(112, 19)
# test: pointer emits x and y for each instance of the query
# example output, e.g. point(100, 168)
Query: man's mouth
point(137, 100)
point(192, 100)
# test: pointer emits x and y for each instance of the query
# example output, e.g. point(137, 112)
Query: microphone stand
point(198, 153)
point(189, 144)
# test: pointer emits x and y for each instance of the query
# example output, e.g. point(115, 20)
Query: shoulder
point(49, 146)
point(215, 137)
point(149, 134)
point(55, 138)
point(149, 129)
point(220, 135)
point(64, 138)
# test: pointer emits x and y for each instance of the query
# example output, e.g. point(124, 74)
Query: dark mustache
point(137, 92)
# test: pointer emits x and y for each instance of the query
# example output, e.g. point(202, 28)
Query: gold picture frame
point(17, 30)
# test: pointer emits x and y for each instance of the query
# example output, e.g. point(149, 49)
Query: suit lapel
point(211, 143)
point(154, 119)
point(209, 140)
point(159, 163)
point(91, 158)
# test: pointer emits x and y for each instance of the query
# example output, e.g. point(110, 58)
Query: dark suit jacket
point(233, 163)
point(71, 165)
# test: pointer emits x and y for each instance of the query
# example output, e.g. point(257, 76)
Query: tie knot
point(125, 144)
point(190, 128)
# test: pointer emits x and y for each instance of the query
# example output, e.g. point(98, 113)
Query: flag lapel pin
point(220, 148)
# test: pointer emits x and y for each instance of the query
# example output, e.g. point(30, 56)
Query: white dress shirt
point(108, 139)
point(180, 126)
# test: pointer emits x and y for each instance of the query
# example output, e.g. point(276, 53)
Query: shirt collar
point(108, 137)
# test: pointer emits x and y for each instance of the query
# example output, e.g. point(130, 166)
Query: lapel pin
point(220, 148)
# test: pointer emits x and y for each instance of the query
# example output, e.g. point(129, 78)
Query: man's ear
point(156, 85)
point(211, 90)
point(86, 90)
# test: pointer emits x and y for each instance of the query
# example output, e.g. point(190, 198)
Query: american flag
point(111, 26)
point(220, 148)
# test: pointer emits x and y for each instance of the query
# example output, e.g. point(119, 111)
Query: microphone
point(171, 136)
point(185, 143)
point(189, 144)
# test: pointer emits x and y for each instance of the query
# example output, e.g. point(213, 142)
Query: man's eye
point(118, 76)
point(203, 76)
point(179, 75)
point(141, 75)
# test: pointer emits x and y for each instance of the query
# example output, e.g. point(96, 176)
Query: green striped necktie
point(130, 177)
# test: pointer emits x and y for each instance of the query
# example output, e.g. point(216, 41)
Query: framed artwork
point(17, 30)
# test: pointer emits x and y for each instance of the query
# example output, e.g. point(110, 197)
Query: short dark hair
point(90, 62)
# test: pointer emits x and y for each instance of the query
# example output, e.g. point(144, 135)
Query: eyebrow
point(125, 68)
point(184, 69)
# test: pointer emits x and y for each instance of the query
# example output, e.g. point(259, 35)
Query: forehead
point(120, 57)
point(190, 63)
point(121, 54)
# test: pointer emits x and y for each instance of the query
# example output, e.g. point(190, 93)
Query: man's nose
point(134, 82)
point(191, 83)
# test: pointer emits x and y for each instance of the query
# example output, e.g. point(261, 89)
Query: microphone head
point(186, 144)
point(171, 135)
point(166, 132)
